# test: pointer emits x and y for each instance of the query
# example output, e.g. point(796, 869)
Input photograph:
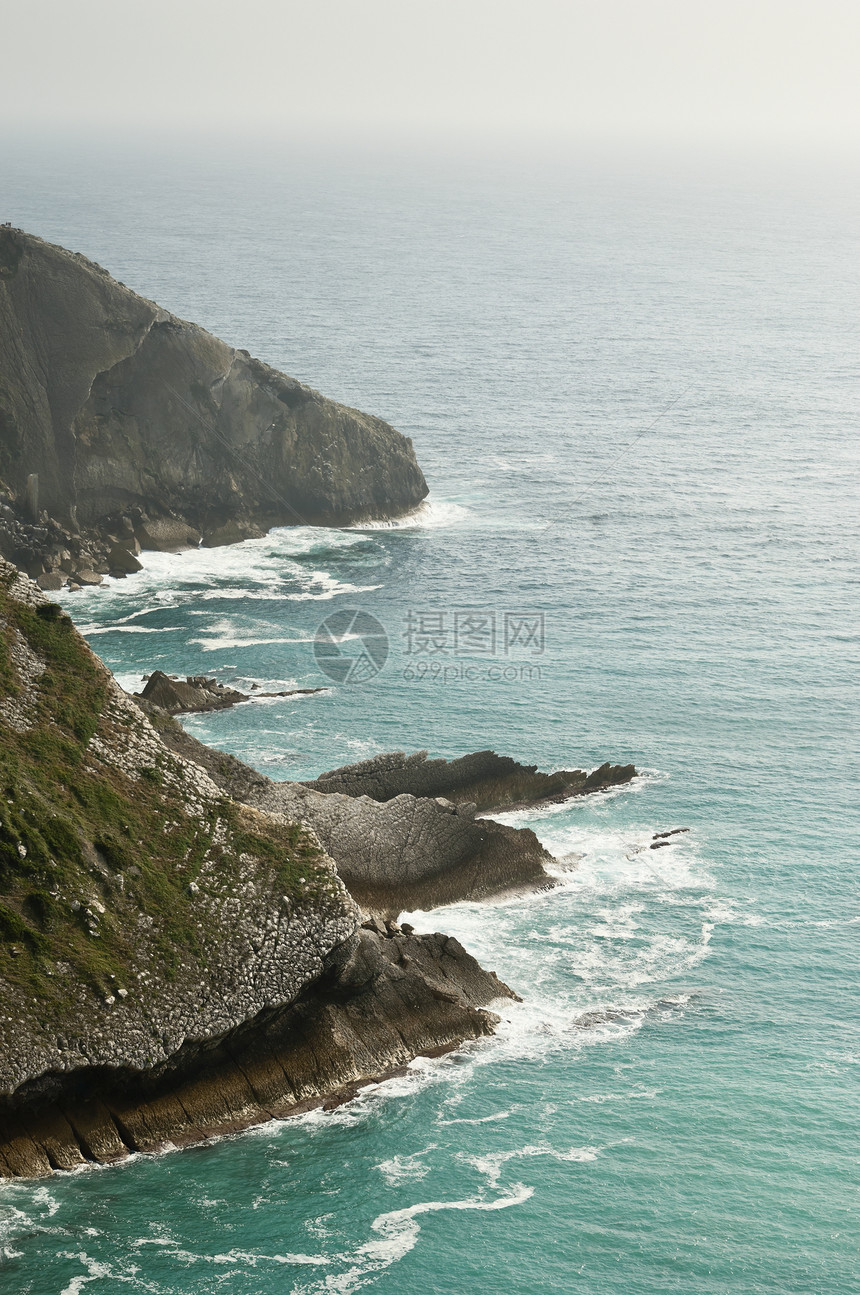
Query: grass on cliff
point(95, 867)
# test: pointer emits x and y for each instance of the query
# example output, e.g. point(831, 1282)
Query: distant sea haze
point(670, 1107)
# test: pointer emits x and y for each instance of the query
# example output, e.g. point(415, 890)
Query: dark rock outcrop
point(197, 693)
point(120, 420)
point(178, 696)
point(490, 782)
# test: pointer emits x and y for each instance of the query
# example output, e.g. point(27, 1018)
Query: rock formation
point(197, 693)
point(123, 427)
point(173, 962)
point(490, 782)
point(409, 851)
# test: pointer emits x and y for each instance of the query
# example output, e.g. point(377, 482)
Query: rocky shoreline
point(186, 947)
point(381, 1001)
point(404, 849)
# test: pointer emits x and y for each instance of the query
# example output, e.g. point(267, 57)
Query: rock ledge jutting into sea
point(411, 850)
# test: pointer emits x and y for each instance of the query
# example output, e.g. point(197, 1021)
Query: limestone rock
point(409, 852)
point(379, 1002)
point(97, 879)
point(121, 560)
point(175, 964)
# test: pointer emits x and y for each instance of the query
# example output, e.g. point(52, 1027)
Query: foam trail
point(396, 1234)
point(492, 1165)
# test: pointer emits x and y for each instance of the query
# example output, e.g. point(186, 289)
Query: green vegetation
point(94, 863)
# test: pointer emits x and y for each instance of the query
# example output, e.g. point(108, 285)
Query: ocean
point(632, 384)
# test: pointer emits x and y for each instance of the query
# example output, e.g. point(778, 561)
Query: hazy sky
point(702, 69)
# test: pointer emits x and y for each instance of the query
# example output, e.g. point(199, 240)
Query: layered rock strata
point(122, 426)
point(410, 851)
point(381, 1001)
point(413, 852)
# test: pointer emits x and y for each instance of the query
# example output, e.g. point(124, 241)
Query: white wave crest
point(429, 513)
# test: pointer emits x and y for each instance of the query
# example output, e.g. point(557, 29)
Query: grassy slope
point(88, 855)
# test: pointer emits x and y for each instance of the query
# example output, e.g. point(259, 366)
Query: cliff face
point(119, 406)
point(173, 963)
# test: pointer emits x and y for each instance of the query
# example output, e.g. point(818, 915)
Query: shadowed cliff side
point(130, 416)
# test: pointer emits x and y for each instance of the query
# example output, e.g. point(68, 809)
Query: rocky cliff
point(173, 963)
point(142, 428)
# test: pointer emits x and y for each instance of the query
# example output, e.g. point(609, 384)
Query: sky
point(779, 71)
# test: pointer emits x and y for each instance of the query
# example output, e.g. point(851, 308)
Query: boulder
point(120, 559)
point(232, 532)
point(166, 535)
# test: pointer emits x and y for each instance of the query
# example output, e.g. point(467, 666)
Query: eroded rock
point(490, 781)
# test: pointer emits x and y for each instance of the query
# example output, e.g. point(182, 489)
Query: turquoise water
point(674, 1105)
